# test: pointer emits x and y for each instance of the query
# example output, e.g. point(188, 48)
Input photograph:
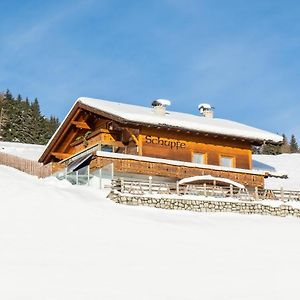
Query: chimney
point(160, 105)
point(206, 110)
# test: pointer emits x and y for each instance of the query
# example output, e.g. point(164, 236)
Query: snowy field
point(284, 163)
point(28, 151)
point(64, 242)
point(59, 241)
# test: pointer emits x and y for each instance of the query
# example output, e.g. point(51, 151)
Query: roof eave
point(46, 154)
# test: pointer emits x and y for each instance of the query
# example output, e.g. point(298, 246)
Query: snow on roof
point(204, 105)
point(146, 115)
point(28, 151)
point(162, 102)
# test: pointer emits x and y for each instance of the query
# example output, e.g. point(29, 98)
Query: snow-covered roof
point(162, 102)
point(204, 105)
point(146, 115)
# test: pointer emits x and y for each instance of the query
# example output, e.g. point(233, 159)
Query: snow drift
point(68, 242)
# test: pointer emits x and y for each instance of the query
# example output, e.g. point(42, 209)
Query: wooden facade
point(167, 169)
point(86, 126)
point(186, 144)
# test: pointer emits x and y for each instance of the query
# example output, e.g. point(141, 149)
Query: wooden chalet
point(155, 141)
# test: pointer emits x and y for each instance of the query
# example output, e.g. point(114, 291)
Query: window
point(107, 148)
point(199, 158)
point(227, 161)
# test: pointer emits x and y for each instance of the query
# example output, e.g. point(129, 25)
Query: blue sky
point(240, 56)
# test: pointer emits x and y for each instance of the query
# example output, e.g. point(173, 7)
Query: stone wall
point(243, 207)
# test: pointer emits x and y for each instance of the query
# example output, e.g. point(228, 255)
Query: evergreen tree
point(285, 147)
point(294, 145)
point(19, 98)
point(23, 121)
point(35, 106)
point(3, 115)
point(271, 149)
point(27, 104)
point(8, 96)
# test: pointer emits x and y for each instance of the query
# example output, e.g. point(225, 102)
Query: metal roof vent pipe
point(160, 106)
point(206, 110)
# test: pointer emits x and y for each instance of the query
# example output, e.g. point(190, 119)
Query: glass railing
point(98, 178)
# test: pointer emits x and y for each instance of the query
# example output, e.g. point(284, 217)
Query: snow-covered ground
point(65, 242)
point(28, 151)
point(284, 163)
point(59, 241)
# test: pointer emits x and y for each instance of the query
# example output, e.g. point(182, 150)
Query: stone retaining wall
point(205, 205)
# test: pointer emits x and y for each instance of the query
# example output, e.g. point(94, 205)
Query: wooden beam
point(136, 139)
point(113, 143)
point(69, 139)
point(133, 136)
point(81, 124)
point(60, 134)
point(140, 145)
point(60, 155)
point(65, 138)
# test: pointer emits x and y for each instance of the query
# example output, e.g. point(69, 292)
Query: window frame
point(233, 160)
point(204, 157)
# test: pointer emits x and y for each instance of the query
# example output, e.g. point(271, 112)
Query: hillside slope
point(28, 151)
point(285, 163)
point(64, 242)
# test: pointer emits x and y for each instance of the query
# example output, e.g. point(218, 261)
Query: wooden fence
point(25, 165)
point(159, 188)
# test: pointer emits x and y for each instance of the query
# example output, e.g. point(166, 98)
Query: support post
point(282, 194)
point(205, 191)
point(214, 188)
point(256, 194)
point(140, 145)
point(112, 171)
point(122, 185)
point(150, 184)
point(231, 190)
point(100, 179)
point(177, 187)
point(66, 173)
